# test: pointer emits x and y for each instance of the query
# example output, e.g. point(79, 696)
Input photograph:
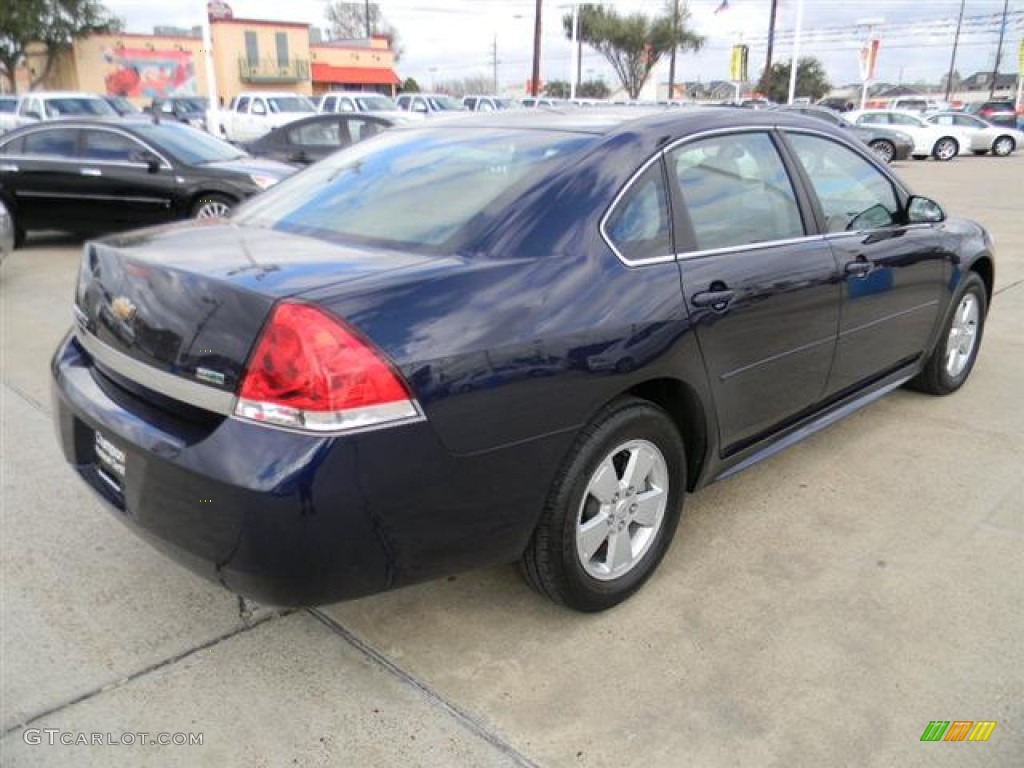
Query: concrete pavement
point(818, 609)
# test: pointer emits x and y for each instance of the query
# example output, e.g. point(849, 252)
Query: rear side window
point(854, 195)
point(60, 142)
point(316, 134)
point(736, 191)
point(424, 190)
point(638, 226)
point(242, 105)
point(873, 119)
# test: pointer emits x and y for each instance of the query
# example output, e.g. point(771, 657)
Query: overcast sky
point(447, 39)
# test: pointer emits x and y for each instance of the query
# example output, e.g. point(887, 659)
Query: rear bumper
point(290, 519)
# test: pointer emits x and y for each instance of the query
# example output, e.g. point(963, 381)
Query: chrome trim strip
point(389, 415)
point(72, 196)
point(749, 247)
point(778, 356)
point(175, 387)
point(887, 318)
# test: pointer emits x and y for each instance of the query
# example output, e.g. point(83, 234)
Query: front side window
point(966, 121)
point(328, 105)
point(105, 146)
point(346, 105)
point(243, 104)
point(280, 104)
point(874, 118)
point(941, 120)
point(376, 104)
point(897, 119)
point(854, 195)
point(736, 191)
point(638, 225)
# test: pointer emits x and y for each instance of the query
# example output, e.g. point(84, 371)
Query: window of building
point(252, 48)
point(281, 39)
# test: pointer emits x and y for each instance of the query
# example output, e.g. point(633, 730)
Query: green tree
point(594, 89)
point(632, 44)
point(349, 22)
point(811, 81)
point(409, 85)
point(556, 89)
point(53, 23)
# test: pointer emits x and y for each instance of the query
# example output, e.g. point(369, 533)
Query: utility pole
point(956, 42)
point(795, 66)
point(672, 58)
point(574, 76)
point(369, 30)
point(535, 80)
point(999, 49)
point(767, 76)
point(494, 62)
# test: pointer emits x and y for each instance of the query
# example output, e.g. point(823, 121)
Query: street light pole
point(956, 42)
point(535, 80)
point(796, 49)
point(999, 50)
point(575, 50)
point(767, 77)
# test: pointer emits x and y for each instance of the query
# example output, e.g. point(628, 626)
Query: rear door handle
point(858, 268)
point(717, 300)
point(91, 172)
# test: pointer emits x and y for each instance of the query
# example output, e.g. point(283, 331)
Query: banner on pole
point(738, 63)
point(869, 60)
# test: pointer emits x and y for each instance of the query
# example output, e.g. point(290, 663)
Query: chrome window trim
point(661, 153)
point(758, 246)
point(56, 125)
point(611, 209)
point(189, 392)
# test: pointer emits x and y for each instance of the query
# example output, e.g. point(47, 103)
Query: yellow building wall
point(337, 56)
point(228, 38)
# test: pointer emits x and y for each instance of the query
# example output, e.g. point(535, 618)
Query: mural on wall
point(140, 72)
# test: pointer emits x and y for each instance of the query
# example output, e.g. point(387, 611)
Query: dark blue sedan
point(524, 338)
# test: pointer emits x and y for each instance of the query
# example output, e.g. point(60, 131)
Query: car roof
point(610, 120)
point(60, 95)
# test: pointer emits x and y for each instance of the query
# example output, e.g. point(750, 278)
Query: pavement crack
point(463, 717)
point(27, 397)
point(1005, 288)
point(145, 671)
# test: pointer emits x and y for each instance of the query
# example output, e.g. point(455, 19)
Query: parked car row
point(943, 135)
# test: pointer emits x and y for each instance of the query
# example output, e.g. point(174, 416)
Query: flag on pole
point(723, 7)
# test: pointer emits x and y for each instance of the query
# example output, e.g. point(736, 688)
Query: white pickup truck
point(252, 114)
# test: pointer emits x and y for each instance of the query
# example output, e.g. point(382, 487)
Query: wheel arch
point(683, 405)
point(985, 269)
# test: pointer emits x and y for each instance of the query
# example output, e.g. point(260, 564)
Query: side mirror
point(153, 162)
point(923, 210)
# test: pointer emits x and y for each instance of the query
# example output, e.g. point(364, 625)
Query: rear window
point(420, 190)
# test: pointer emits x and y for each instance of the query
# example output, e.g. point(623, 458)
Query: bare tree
point(349, 21)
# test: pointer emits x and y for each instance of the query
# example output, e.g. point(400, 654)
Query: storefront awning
point(325, 73)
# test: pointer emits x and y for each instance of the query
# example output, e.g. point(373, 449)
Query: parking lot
point(819, 609)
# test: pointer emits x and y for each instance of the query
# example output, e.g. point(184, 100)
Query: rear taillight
point(310, 372)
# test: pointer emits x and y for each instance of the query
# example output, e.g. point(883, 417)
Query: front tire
point(612, 509)
point(945, 149)
point(885, 149)
point(953, 358)
point(212, 205)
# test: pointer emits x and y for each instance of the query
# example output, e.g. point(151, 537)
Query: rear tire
point(612, 509)
point(1003, 146)
point(945, 149)
point(953, 358)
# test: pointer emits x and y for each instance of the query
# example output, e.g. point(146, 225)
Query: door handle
point(8, 168)
point(717, 300)
point(859, 268)
point(91, 172)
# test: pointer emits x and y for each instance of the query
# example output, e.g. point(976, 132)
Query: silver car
point(6, 232)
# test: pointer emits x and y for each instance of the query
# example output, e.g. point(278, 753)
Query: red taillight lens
point(310, 372)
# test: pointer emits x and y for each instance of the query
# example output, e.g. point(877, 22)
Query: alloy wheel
point(622, 509)
point(884, 150)
point(213, 209)
point(1003, 146)
point(963, 335)
point(945, 149)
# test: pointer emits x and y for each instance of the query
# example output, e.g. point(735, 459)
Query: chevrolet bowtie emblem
point(123, 309)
